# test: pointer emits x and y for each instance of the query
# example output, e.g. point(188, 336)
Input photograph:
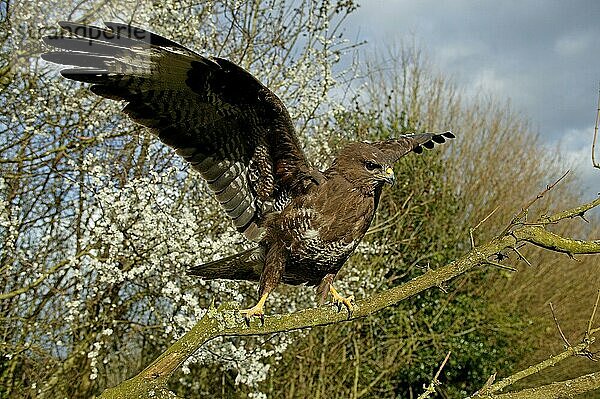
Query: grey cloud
point(542, 55)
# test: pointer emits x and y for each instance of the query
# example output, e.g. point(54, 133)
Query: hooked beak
point(388, 176)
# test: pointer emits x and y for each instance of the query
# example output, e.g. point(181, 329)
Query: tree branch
point(536, 368)
point(572, 213)
point(227, 321)
point(435, 382)
point(41, 278)
point(556, 390)
point(595, 139)
point(545, 239)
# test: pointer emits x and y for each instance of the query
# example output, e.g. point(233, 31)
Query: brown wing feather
point(218, 117)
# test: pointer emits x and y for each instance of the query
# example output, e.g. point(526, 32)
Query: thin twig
point(472, 230)
point(596, 164)
point(501, 266)
point(435, 382)
point(591, 321)
point(525, 209)
point(486, 387)
point(562, 335)
point(520, 255)
point(548, 188)
point(437, 375)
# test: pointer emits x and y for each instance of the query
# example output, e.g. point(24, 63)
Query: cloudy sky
point(544, 56)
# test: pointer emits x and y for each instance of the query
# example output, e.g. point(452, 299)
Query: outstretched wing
point(395, 149)
point(217, 116)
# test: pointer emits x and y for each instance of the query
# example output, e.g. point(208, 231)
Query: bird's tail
point(246, 265)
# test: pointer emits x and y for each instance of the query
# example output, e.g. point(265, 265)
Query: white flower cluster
point(127, 216)
point(93, 356)
point(8, 230)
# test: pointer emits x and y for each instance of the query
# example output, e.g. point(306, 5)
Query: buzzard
point(238, 135)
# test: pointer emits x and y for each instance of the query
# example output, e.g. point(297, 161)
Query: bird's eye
point(371, 166)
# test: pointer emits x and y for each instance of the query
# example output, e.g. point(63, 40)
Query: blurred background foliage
point(98, 221)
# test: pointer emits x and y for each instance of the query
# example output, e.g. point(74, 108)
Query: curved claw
point(256, 311)
point(339, 300)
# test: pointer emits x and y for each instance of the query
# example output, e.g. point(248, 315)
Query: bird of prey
point(239, 136)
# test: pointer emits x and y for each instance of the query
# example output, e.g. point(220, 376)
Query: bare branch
point(562, 389)
point(536, 368)
point(486, 386)
point(594, 162)
point(430, 389)
point(472, 230)
point(500, 266)
point(545, 239)
point(588, 332)
point(556, 390)
point(562, 335)
point(519, 216)
point(572, 213)
point(520, 255)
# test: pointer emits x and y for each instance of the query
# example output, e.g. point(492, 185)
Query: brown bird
point(239, 136)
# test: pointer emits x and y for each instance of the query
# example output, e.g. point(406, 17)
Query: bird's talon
point(340, 301)
point(257, 310)
point(253, 312)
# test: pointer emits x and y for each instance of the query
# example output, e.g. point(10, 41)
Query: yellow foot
point(340, 300)
point(256, 311)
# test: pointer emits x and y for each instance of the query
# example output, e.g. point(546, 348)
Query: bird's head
point(364, 165)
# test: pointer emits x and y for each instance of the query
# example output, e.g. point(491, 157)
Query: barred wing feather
point(217, 116)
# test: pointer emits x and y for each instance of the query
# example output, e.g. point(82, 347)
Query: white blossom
point(139, 230)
